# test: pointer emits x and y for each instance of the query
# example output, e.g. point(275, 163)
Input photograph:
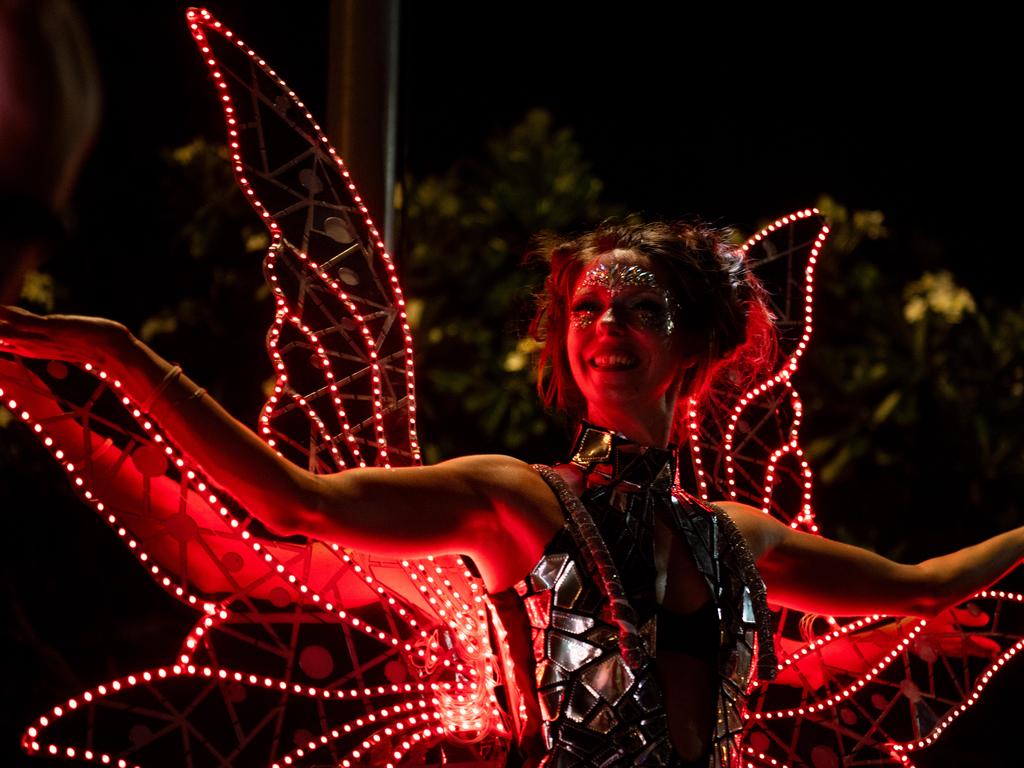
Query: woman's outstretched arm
point(812, 573)
point(457, 506)
point(231, 454)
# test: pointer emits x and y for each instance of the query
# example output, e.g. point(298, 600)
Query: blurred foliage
point(193, 289)
point(221, 307)
point(468, 231)
point(38, 290)
point(913, 388)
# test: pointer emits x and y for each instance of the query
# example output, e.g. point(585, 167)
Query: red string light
point(462, 704)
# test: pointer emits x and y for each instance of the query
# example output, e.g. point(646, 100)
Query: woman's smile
point(615, 361)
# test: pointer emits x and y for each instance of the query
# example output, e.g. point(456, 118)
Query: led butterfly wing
point(743, 437)
point(340, 341)
point(343, 349)
point(876, 689)
point(267, 644)
point(360, 656)
point(873, 689)
point(271, 663)
point(744, 440)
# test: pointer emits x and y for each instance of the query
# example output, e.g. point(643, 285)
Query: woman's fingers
point(18, 323)
point(7, 312)
point(29, 335)
point(73, 338)
point(20, 340)
point(15, 331)
point(20, 319)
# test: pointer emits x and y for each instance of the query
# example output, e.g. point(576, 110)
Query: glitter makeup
point(639, 310)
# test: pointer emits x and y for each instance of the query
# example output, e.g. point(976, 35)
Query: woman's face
point(622, 340)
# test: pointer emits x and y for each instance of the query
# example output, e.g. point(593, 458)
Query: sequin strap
point(767, 663)
point(599, 561)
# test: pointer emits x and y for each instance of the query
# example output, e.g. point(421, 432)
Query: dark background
point(734, 118)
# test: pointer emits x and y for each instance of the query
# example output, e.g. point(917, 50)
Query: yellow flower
point(938, 293)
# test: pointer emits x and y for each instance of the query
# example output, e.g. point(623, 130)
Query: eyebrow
point(584, 290)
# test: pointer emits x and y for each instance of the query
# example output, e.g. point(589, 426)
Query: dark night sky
point(679, 113)
point(735, 119)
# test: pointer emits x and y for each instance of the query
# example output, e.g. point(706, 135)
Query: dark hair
point(723, 307)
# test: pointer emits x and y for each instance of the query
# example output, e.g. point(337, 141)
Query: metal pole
point(362, 99)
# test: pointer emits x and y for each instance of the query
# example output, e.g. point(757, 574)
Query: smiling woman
point(641, 313)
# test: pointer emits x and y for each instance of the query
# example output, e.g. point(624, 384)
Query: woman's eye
point(650, 306)
point(585, 306)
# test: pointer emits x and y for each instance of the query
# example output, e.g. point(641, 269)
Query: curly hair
point(724, 310)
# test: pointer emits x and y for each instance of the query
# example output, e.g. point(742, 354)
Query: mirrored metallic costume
point(593, 709)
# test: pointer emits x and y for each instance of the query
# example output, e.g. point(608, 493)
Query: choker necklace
point(608, 457)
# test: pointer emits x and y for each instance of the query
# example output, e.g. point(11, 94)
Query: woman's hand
point(72, 338)
point(468, 505)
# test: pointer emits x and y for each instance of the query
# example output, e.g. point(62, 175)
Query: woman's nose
point(608, 319)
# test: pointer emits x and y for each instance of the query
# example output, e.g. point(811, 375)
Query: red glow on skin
point(195, 545)
point(185, 521)
point(638, 399)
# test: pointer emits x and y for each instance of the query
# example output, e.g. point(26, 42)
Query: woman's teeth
point(614, 362)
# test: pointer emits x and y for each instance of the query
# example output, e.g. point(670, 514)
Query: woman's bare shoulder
point(506, 477)
point(760, 530)
point(510, 484)
point(527, 514)
point(492, 472)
